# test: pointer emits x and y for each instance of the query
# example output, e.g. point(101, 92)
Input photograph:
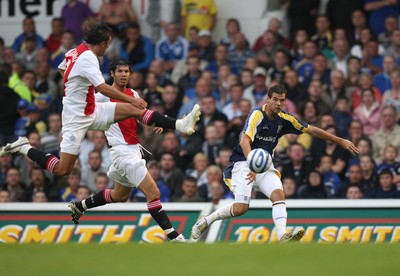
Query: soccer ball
point(259, 160)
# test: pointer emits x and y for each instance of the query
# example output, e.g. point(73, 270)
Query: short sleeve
point(293, 125)
point(250, 127)
point(91, 69)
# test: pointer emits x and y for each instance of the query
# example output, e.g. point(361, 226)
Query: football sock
point(279, 215)
point(222, 213)
point(155, 118)
point(45, 161)
point(161, 217)
point(98, 199)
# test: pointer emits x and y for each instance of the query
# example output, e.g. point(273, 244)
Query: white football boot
point(199, 228)
point(292, 236)
point(14, 147)
point(187, 123)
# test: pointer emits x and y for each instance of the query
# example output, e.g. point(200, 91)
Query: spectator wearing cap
point(172, 47)
point(29, 29)
point(8, 101)
point(207, 46)
point(240, 52)
point(260, 89)
point(201, 14)
point(30, 123)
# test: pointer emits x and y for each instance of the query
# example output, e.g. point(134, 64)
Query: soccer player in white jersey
point(128, 168)
point(263, 128)
point(82, 75)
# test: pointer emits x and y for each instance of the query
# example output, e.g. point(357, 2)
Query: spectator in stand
point(366, 36)
point(389, 133)
point(365, 147)
point(209, 113)
point(39, 183)
point(341, 55)
point(369, 176)
point(73, 183)
point(50, 139)
point(366, 82)
point(100, 144)
point(171, 175)
point(330, 179)
point(274, 26)
point(28, 56)
point(354, 192)
point(190, 191)
point(296, 91)
point(297, 167)
point(207, 46)
point(323, 37)
point(315, 95)
point(342, 116)
point(203, 88)
point(39, 197)
point(53, 42)
point(5, 163)
point(339, 13)
point(29, 29)
point(359, 21)
point(280, 66)
point(382, 80)
point(240, 51)
point(217, 192)
point(320, 71)
point(297, 51)
point(368, 113)
point(336, 88)
point(189, 80)
point(83, 193)
point(314, 187)
point(309, 112)
point(172, 47)
point(386, 188)
point(117, 14)
point(200, 163)
point(353, 74)
point(201, 14)
point(391, 24)
point(136, 81)
point(221, 58)
point(170, 101)
point(232, 28)
point(372, 60)
point(74, 13)
point(211, 145)
point(223, 157)
point(4, 196)
point(353, 179)
point(389, 161)
point(89, 173)
point(157, 66)
point(289, 187)
point(379, 10)
point(214, 173)
point(304, 66)
point(391, 97)
point(270, 46)
point(356, 131)
point(259, 91)
point(44, 85)
point(152, 93)
point(394, 47)
point(14, 186)
point(137, 48)
point(232, 109)
point(67, 43)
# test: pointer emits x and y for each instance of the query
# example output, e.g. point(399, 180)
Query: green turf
point(200, 259)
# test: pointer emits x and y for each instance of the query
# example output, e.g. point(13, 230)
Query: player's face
point(276, 102)
point(121, 75)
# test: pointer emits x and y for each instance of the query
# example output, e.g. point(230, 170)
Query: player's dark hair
point(96, 32)
point(119, 62)
point(278, 89)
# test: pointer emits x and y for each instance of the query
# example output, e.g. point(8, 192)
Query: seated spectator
point(389, 161)
point(382, 80)
point(83, 193)
point(4, 196)
point(53, 42)
point(170, 101)
point(207, 46)
point(366, 82)
point(313, 188)
point(378, 11)
point(39, 197)
point(214, 173)
point(336, 88)
point(394, 47)
point(171, 175)
point(389, 133)
point(137, 48)
point(45, 86)
point(386, 188)
point(190, 79)
point(95, 166)
point(368, 113)
point(14, 186)
point(280, 66)
point(40, 183)
point(354, 192)
point(353, 74)
point(330, 179)
point(223, 157)
point(341, 55)
point(190, 191)
point(266, 54)
point(217, 192)
point(369, 176)
point(392, 96)
point(157, 66)
point(372, 59)
point(323, 37)
point(102, 182)
point(342, 116)
point(289, 187)
point(28, 56)
point(74, 13)
point(67, 43)
point(259, 91)
point(50, 139)
point(364, 146)
point(240, 52)
point(309, 112)
point(29, 29)
point(364, 37)
point(209, 114)
point(297, 51)
point(152, 93)
point(353, 178)
point(274, 26)
point(314, 94)
point(304, 66)
point(221, 58)
point(232, 27)
point(73, 183)
point(99, 143)
point(320, 71)
point(356, 131)
point(117, 14)
point(211, 145)
point(172, 47)
point(296, 92)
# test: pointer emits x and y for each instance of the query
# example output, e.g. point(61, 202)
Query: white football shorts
point(235, 178)
point(127, 168)
point(75, 127)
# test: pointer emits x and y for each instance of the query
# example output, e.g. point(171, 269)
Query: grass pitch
point(199, 259)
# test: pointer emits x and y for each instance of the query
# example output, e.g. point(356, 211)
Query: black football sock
point(45, 161)
point(99, 199)
point(155, 118)
point(161, 217)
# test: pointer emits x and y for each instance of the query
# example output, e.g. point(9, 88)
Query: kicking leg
point(148, 117)
point(149, 188)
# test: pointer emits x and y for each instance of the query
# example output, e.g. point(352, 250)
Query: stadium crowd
point(340, 68)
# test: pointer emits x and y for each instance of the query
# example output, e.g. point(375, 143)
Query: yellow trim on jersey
point(254, 120)
point(293, 120)
point(228, 183)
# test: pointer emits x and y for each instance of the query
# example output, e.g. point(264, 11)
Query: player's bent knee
point(153, 194)
point(240, 209)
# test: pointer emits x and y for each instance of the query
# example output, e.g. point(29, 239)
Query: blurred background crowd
point(339, 64)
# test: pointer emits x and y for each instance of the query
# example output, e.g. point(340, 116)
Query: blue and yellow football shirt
point(265, 132)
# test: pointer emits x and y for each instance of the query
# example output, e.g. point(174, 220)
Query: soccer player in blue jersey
point(263, 128)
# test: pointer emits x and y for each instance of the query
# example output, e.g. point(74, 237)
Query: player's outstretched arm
point(322, 134)
point(113, 93)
